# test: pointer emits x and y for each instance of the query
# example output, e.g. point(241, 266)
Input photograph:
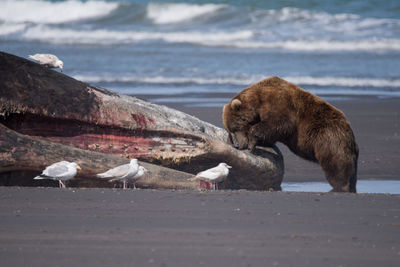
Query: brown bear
point(274, 110)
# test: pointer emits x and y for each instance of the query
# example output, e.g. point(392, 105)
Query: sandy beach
point(106, 227)
point(376, 125)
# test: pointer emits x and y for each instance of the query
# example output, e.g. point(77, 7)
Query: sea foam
point(43, 12)
point(164, 80)
point(344, 81)
point(325, 23)
point(11, 28)
point(167, 13)
point(69, 36)
point(236, 39)
point(317, 45)
point(241, 39)
point(245, 80)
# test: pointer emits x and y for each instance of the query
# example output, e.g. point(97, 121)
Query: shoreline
point(376, 125)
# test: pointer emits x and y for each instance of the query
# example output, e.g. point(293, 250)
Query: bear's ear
point(235, 104)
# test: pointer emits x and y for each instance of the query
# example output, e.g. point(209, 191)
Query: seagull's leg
point(216, 186)
point(124, 184)
point(134, 185)
point(62, 185)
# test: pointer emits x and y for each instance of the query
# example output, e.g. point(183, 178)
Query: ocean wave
point(243, 39)
point(11, 28)
point(309, 20)
point(208, 100)
point(318, 45)
point(290, 14)
point(166, 80)
point(168, 13)
point(44, 12)
point(122, 22)
point(245, 80)
point(344, 81)
point(283, 21)
point(68, 36)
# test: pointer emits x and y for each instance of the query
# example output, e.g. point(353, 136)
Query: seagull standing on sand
point(61, 171)
point(213, 175)
point(122, 172)
point(142, 170)
point(48, 60)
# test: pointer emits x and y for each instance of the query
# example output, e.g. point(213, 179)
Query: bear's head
point(238, 117)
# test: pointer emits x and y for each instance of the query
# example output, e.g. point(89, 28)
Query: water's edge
point(363, 186)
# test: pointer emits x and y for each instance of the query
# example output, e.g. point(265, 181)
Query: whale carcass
point(41, 104)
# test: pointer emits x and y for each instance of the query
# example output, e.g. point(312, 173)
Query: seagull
point(122, 172)
point(213, 175)
point(142, 170)
point(61, 171)
point(48, 60)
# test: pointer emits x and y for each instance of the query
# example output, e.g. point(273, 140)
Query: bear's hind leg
point(341, 174)
point(337, 155)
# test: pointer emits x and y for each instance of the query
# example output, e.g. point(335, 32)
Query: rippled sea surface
point(202, 52)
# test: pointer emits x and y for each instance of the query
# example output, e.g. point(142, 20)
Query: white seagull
point(213, 175)
point(48, 60)
point(122, 172)
point(61, 171)
point(142, 170)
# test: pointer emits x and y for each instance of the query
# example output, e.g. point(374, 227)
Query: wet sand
point(110, 227)
point(376, 125)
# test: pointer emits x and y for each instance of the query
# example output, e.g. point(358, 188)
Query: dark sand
point(376, 125)
point(106, 227)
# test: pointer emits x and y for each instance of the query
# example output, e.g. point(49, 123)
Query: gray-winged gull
point(48, 60)
point(61, 171)
point(213, 175)
point(122, 172)
point(142, 170)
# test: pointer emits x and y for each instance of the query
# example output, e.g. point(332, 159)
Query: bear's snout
point(239, 140)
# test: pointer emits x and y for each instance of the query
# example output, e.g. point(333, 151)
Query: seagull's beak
point(229, 167)
point(79, 168)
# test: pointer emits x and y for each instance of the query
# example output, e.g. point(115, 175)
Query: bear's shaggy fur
point(274, 110)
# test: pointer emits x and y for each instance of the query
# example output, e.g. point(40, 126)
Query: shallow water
point(363, 186)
